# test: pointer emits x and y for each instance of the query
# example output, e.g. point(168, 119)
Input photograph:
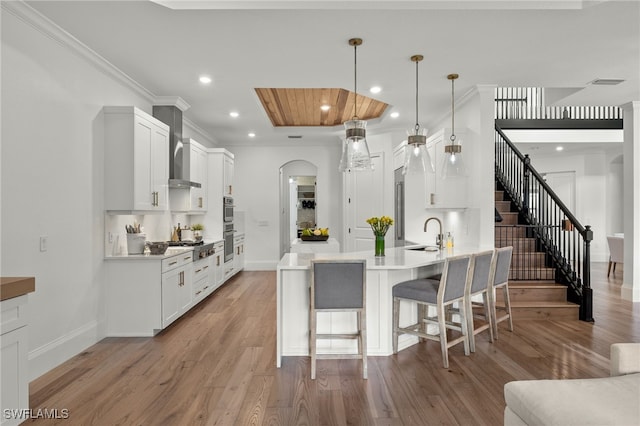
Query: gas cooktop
point(186, 243)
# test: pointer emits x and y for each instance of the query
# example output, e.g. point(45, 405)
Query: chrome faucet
point(440, 237)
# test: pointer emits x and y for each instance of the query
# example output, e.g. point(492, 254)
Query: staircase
point(533, 292)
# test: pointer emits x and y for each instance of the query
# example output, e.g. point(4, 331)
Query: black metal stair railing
point(563, 238)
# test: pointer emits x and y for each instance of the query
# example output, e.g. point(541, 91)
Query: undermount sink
point(422, 248)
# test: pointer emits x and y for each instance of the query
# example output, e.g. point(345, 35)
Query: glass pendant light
point(417, 159)
point(355, 151)
point(452, 165)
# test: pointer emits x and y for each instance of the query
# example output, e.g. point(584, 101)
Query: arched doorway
point(298, 189)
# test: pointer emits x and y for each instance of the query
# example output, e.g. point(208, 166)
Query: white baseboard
point(54, 353)
point(264, 265)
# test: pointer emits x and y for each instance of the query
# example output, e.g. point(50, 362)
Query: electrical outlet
point(44, 242)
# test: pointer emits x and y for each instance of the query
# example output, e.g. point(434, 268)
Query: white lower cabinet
point(238, 254)
point(176, 293)
point(218, 264)
point(146, 295)
point(13, 357)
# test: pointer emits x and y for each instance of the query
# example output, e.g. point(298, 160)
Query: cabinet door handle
point(218, 261)
point(200, 202)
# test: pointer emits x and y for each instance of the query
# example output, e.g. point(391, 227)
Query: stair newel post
point(586, 306)
point(525, 182)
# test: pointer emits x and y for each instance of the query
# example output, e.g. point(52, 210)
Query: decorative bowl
point(314, 237)
point(158, 247)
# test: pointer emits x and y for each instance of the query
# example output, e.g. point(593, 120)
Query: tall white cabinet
point(220, 177)
point(136, 160)
point(193, 200)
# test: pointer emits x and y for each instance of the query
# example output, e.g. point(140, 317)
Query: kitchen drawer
point(200, 269)
point(176, 261)
point(13, 313)
point(202, 288)
point(238, 239)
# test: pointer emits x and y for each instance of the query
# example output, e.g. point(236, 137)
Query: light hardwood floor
point(216, 365)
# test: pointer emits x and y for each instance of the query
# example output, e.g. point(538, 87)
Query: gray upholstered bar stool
point(501, 281)
point(440, 294)
point(481, 272)
point(338, 286)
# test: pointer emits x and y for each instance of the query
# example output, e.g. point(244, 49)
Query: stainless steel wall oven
point(227, 214)
point(228, 242)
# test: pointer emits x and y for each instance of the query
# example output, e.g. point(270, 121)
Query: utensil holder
point(135, 243)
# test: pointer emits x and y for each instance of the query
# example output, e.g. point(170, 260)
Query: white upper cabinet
point(198, 174)
point(136, 160)
point(193, 200)
point(452, 191)
point(228, 175)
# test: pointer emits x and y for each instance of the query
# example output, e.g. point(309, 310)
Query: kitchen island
point(399, 264)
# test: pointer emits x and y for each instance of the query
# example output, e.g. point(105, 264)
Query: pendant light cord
point(453, 134)
point(355, 81)
point(417, 123)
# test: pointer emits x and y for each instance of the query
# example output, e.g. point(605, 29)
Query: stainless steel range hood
point(179, 160)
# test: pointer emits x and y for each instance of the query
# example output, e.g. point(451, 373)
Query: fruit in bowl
point(318, 234)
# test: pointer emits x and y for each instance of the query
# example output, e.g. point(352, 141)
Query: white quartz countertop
point(171, 251)
point(395, 258)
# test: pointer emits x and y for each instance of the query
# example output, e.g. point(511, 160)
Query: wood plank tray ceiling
point(301, 107)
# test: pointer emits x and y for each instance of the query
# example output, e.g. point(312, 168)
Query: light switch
point(44, 242)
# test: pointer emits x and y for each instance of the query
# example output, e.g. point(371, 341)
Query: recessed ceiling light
point(205, 79)
point(375, 89)
point(252, 135)
point(325, 107)
point(394, 114)
point(559, 148)
point(234, 114)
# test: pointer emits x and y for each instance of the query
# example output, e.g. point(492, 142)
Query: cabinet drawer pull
point(173, 263)
point(198, 271)
point(205, 287)
point(186, 258)
point(198, 292)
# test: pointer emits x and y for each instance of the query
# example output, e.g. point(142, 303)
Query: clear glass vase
point(379, 245)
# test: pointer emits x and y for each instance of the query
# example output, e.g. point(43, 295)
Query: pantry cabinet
point(136, 160)
point(220, 176)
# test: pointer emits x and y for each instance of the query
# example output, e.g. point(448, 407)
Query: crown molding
point(176, 101)
point(44, 25)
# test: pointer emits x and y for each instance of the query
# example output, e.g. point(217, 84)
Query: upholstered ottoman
point(611, 400)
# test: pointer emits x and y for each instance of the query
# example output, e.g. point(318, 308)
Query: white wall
point(473, 225)
point(592, 174)
point(52, 185)
point(257, 192)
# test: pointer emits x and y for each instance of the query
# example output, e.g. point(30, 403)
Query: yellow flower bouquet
point(380, 226)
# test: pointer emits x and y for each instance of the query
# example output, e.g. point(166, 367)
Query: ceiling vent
point(606, 81)
point(295, 136)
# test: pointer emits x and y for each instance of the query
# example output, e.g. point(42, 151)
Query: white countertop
point(171, 251)
point(395, 258)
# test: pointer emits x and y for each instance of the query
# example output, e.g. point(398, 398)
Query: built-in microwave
point(227, 214)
